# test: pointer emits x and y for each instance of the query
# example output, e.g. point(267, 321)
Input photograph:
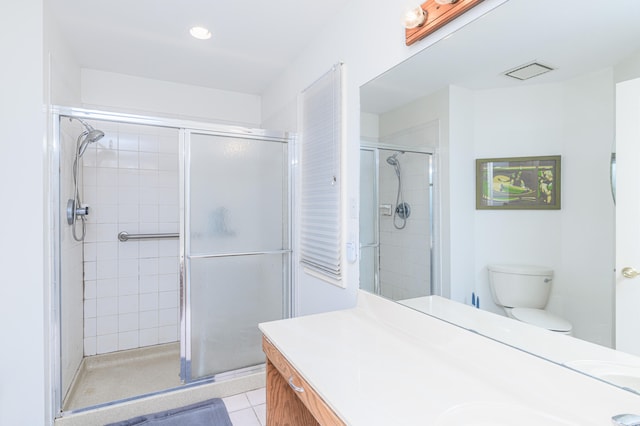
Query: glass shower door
point(369, 246)
point(396, 257)
point(236, 250)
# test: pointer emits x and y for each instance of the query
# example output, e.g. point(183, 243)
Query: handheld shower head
point(87, 138)
point(94, 135)
point(393, 159)
point(90, 135)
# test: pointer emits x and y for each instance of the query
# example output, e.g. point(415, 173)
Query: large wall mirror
point(426, 121)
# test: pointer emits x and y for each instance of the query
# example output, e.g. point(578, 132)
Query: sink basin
point(626, 376)
point(497, 414)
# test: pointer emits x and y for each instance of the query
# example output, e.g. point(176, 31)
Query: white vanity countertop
point(383, 364)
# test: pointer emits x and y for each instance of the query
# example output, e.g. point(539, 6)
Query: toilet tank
point(520, 286)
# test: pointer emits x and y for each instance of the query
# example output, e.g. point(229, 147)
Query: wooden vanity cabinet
point(290, 399)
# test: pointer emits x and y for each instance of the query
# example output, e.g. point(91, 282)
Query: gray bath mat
point(206, 413)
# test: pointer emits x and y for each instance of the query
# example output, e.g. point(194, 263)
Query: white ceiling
point(253, 40)
point(573, 36)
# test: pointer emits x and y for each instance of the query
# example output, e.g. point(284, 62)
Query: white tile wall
point(131, 288)
point(404, 254)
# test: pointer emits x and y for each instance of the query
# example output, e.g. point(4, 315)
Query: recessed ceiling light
point(200, 33)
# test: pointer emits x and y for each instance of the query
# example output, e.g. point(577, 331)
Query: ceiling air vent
point(525, 72)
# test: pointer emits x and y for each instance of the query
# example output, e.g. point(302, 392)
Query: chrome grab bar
point(125, 236)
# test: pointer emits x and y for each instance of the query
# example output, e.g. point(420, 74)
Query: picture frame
point(518, 183)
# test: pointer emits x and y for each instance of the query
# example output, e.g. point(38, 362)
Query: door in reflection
point(627, 214)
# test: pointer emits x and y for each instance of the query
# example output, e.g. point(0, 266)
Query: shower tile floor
point(124, 374)
point(110, 377)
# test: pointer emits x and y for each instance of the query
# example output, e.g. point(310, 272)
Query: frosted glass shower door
point(236, 250)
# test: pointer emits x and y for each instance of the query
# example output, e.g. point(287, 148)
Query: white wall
point(123, 93)
point(368, 47)
point(627, 69)
point(62, 73)
point(461, 175)
point(516, 122)
point(588, 211)
point(369, 124)
point(22, 259)
point(573, 119)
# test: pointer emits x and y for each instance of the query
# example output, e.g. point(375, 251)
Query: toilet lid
point(541, 318)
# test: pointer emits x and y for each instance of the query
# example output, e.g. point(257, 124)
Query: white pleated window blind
point(321, 145)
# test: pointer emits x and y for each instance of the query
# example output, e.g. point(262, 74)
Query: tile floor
point(248, 409)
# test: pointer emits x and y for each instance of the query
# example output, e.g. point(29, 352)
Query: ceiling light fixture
point(200, 33)
point(527, 71)
point(414, 17)
point(434, 15)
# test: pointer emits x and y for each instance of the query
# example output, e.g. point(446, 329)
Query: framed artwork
point(518, 183)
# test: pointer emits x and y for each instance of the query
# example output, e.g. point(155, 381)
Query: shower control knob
point(82, 211)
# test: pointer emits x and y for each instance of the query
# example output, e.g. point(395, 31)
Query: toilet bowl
point(540, 318)
point(523, 292)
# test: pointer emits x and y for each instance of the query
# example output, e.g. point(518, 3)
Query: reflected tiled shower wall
point(405, 253)
point(130, 182)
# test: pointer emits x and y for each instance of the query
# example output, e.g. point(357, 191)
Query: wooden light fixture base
point(438, 15)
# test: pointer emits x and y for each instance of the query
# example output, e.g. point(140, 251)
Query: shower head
point(90, 135)
point(393, 159)
point(94, 135)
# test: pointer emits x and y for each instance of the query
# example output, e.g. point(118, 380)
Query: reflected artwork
point(518, 183)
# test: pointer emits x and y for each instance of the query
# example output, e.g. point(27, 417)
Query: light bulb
point(200, 33)
point(414, 17)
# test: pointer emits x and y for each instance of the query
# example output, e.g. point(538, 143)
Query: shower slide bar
point(125, 236)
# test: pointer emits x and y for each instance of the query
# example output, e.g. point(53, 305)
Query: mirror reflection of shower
point(402, 209)
point(397, 263)
point(76, 212)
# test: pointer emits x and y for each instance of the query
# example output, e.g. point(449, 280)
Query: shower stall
point(171, 242)
point(396, 221)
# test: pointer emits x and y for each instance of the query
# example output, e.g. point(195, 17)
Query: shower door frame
point(55, 225)
point(435, 287)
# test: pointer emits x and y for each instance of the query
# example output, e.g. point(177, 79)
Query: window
point(320, 162)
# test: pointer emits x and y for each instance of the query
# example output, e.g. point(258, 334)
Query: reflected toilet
point(523, 292)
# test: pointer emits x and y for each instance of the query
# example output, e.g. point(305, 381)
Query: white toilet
point(523, 292)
